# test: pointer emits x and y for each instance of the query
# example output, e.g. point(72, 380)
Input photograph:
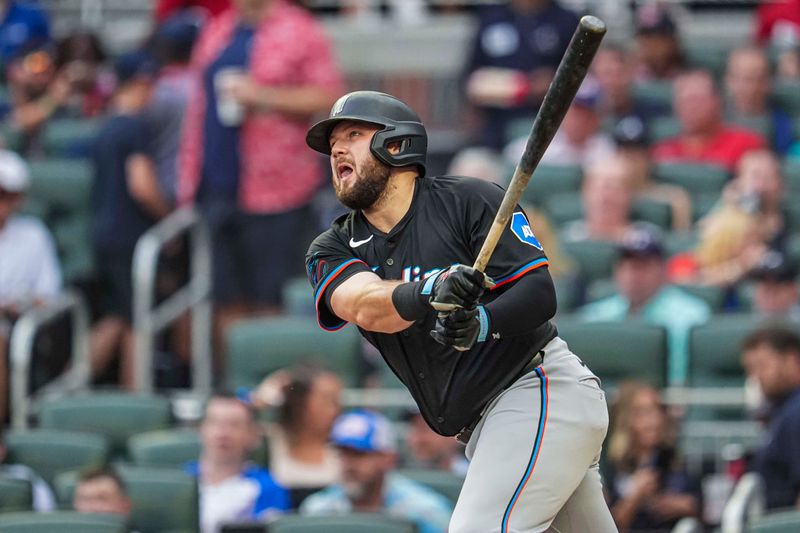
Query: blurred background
point(161, 366)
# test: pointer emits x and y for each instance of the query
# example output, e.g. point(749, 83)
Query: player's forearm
point(525, 306)
point(372, 309)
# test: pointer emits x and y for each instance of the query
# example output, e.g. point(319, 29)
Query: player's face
point(359, 179)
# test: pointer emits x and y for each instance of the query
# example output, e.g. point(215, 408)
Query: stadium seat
point(61, 522)
point(164, 499)
point(69, 137)
point(563, 208)
point(164, 448)
point(260, 346)
point(793, 248)
point(776, 522)
point(348, 523)
point(760, 124)
point(677, 242)
point(298, 298)
point(786, 95)
point(654, 92)
point(652, 211)
point(706, 54)
point(713, 296)
point(595, 259)
point(549, 180)
point(116, 415)
point(62, 183)
point(662, 128)
point(694, 177)
point(447, 484)
point(616, 351)
point(15, 494)
point(49, 452)
point(791, 175)
point(703, 203)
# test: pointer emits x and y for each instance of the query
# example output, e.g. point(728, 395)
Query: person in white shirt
point(29, 268)
point(42, 495)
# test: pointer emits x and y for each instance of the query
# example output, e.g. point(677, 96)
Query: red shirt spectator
point(165, 8)
point(283, 173)
point(704, 137)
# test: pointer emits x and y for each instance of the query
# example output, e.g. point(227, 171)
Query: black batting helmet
point(399, 123)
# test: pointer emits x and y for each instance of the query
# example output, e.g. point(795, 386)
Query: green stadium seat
point(298, 298)
point(61, 522)
point(595, 259)
point(349, 523)
point(713, 296)
point(703, 203)
point(708, 55)
point(759, 124)
point(600, 288)
point(563, 208)
point(65, 184)
point(786, 95)
point(793, 248)
point(776, 522)
point(617, 351)
point(549, 180)
point(791, 175)
point(677, 242)
point(662, 128)
point(791, 207)
point(447, 484)
point(49, 452)
point(654, 92)
point(260, 346)
point(116, 415)
point(694, 177)
point(15, 494)
point(164, 448)
point(69, 137)
point(164, 499)
point(652, 211)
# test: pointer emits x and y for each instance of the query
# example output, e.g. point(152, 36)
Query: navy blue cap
point(774, 267)
point(136, 64)
point(642, 240)
point(631, 131)
point(364, 431)
point(652, 19)
point(180, 29)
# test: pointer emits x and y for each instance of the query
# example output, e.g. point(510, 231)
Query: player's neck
point(393, 205)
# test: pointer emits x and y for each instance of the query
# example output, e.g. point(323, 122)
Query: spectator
point(173, 44)
point(748, 84)
point(607, 196)
point(167, 8)
point(367, 445)
point(643, 292)
point(29, 268)
point(657, 44)
point(244, 161)
point(579, 140)
point(231, 489)
point(737, 233)
point(777, 350)
point(647, 484)
point(43, 498)
point(775, 287)
point(80, 57)
point(308, 401)
point(778, 23)
point(613, 68)
point(432, 451)
point(704, 138)
point(631, 138)
point(127, 201)
point(21, 24)
point(515, 53)
point(101, 490)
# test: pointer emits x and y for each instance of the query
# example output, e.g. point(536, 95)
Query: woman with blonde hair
point(648, 489)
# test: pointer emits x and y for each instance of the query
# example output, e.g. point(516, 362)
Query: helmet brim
point(318, 137)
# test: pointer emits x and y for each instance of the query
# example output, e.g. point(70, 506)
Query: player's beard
point(368, 188)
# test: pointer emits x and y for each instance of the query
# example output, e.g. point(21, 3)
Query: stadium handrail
point(746, 502)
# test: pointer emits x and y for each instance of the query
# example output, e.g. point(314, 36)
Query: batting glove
point(461, 328)
point(456, 287)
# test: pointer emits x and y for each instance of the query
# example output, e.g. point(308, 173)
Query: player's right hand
point(460, 286)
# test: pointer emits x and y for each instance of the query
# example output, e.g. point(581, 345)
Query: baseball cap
point(588, 94)
point(631, 131)
point(364, 431)
point(651, 19)
point(14, 176)
point(774, 267)
point(642, 240)
point(136, 64)
point(180, 29)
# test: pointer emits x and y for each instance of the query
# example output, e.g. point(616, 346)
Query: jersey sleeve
point(518, 251)
point(330, 262)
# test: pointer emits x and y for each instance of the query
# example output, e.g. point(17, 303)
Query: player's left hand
point(461, 328)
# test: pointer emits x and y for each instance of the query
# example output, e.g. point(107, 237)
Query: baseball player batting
point(492, 372)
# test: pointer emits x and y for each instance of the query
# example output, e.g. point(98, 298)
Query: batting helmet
point(398, 121)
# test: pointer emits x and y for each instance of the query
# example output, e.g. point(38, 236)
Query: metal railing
point(150, 319)
point(22, 343)
point(747, 502)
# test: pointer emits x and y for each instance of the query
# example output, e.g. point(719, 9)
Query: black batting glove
point(458, 286)
point(461, 328)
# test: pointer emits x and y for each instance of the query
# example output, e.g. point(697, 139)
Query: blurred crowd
point(669, 195)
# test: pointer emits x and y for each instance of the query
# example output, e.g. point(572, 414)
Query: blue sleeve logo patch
point(522, 229)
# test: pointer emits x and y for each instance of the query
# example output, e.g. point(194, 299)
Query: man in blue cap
point(367, 444)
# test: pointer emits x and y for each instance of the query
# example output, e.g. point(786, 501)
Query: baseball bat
point(568, 78)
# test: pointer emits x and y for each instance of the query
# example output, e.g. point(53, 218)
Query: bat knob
point(592, 24)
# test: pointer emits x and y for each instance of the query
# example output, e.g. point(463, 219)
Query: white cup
point(229, 110)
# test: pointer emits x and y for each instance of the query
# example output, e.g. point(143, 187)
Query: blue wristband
point(483, 319)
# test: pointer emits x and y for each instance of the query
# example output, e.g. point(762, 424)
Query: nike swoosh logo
point(356, 244)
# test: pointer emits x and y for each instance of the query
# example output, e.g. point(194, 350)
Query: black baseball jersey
point(447, 222)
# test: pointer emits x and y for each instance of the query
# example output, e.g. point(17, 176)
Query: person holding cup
point(262, 70)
